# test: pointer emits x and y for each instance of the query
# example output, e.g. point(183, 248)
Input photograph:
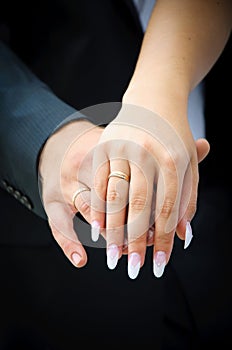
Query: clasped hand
point(153, 199)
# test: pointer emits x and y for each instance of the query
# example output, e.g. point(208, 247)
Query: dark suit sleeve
point(29, 113)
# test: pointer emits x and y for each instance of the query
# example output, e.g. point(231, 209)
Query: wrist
point(165, 102)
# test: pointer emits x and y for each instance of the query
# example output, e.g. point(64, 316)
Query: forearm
point(182, 42)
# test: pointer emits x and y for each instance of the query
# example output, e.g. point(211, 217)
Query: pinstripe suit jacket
point(56, 57)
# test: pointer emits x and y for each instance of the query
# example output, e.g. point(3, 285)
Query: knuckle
point(84, 208)
point(137, 240)
point(174, 160)
point(167, 208)
point(114, 232)
point(138, 202)
point(115, 200)
point(145, 153)
point(144, 150)
point(164, 240)
point(169, 160)
point(66, 246)
point(146, 144)
point(113, 196)
point(115, 235)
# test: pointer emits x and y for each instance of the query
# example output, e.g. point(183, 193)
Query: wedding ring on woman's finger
point(76, 193)
point(120, 175)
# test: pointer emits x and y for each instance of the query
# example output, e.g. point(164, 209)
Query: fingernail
point(95, 230)
point(76, 258)
point(188, 235)
point(159, 263)
point(112, 256)
point(134, 265)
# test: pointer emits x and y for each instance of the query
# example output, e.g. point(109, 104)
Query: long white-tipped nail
point(95, 230)
point(159, 263)
point(134, 265)
point(112, 256)
point(188, 235)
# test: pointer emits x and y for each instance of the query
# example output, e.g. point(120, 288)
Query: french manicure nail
point(95, 230)
point(134, 265)
point(112, 256)
point(188, 235)
point(76, 258)
point(159, 263)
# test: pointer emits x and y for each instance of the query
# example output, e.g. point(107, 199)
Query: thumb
point(60, 219)
point(203, 148)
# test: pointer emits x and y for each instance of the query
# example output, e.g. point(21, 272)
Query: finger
point(83, 206)
point(138, 221)
point(116, 211)
point(169, 188)
point(203, 148)
point(81, 198)
point(188, 204)
point(60, 219)
point(100, 174)
point(151, 231)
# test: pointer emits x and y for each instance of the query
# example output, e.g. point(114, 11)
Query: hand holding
point(65, 164)
point(158, 191)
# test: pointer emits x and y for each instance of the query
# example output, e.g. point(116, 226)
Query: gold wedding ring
point(119, 174)
point(76, 193)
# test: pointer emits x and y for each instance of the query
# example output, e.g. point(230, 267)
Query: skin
point(182, 42)
point(65, 165)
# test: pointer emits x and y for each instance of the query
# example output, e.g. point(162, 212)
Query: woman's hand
point(158, 193)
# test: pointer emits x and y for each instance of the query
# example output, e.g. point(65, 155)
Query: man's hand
point(65, 166)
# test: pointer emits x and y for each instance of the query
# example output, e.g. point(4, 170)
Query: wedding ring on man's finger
point(76, 193)
point(119, 174)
